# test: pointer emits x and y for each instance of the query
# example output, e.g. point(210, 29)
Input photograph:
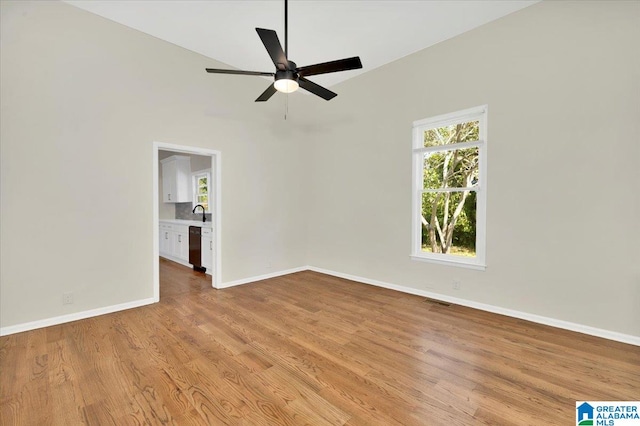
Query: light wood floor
point(305, 349)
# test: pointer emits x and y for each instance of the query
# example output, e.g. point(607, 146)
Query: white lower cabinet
point(207, 250)
point(174, 242)
point(166, 240)
point(181, 243)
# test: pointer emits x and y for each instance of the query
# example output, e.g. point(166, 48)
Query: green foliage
point(452, 134)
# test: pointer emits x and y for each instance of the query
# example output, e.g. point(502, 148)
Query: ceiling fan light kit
point(288, 77)
point(286, 81)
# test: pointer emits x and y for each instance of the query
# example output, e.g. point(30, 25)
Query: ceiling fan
point(288, 76)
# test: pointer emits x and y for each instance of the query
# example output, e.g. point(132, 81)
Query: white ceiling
point(378, 31)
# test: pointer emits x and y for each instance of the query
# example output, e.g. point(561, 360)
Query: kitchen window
point(449, 188)
point(201, 184)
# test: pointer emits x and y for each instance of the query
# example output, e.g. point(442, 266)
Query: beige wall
point(82, 101)
point(83, 98)
point(562, 81)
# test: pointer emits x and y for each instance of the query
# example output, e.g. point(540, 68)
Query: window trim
point(194, 194)
point(479, 113)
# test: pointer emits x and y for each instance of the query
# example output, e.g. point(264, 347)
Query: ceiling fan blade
point(239, 72)
point(272, 44)
point(316, 89)
point(333, 66)
point(267, 94)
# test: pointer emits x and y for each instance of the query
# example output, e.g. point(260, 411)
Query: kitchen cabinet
point(174, 242)
point(181, 243)
point(176, 179)
point(166, 239)
point(207, 249)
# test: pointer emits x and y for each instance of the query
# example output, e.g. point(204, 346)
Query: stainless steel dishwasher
point(195, 248)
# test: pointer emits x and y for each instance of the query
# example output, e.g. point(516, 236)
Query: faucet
point(204, 218)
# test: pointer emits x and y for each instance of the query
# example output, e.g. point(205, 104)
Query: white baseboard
point(18, 328)
point(262, 277)
point(580, 328)
point(12, 329)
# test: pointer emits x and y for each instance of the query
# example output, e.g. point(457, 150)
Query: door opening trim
point(216, 167)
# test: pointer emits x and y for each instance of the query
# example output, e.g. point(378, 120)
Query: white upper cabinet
point(176, 179)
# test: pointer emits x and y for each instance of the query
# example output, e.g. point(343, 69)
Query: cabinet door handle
point(169, 197)
point(166, 235)
point(179, 238)
point(210, 245)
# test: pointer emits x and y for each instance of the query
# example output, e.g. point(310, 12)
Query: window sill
point(450, 262)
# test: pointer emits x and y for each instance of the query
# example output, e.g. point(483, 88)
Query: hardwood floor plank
point(303, 401)
point(13, 350)
point(263, 406)
point(208, 398)
point(294, 360)
point(253, 362)
point(12, 411)
point(361, 411)
point(305, 348)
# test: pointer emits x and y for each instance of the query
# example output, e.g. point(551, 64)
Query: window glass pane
point(449, 223)
point(456, 168)
point(202, 185)
point(452, 134)
point(201, 189)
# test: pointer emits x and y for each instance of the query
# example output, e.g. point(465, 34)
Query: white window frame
point(194, 187)
point(419, 127)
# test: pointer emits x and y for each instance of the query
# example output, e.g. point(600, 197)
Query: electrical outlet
point(457, 285)
point(67, 298)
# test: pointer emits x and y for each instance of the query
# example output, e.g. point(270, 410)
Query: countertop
point(199, 223)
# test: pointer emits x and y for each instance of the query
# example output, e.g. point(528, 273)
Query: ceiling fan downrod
point(286, 24)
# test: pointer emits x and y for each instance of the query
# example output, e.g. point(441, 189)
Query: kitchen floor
point(177, 279)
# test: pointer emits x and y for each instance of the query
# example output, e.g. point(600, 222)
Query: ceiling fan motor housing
point(287, 75)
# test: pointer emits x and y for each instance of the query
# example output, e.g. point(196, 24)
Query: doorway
point(215, 186)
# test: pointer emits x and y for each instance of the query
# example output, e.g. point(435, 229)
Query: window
point(449, 188)
point(201, 181)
